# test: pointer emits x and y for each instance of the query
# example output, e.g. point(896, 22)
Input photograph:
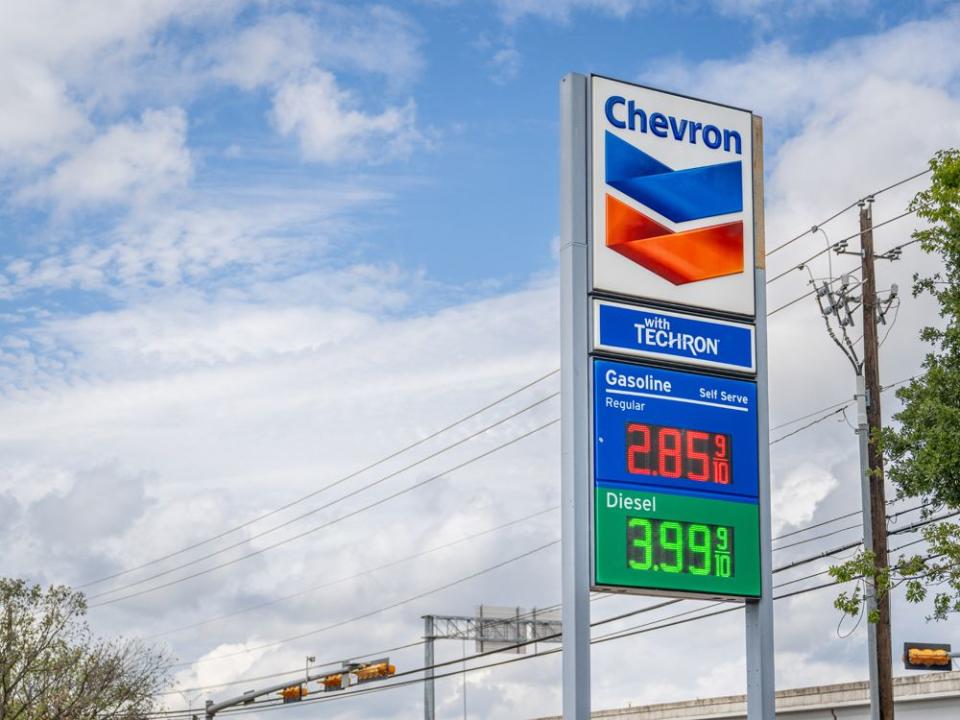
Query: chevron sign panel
point(672, 198)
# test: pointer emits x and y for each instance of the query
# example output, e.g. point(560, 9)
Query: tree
point(53, 668)
point(922, 451)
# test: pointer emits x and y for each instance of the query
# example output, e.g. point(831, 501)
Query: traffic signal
point(333, 682)
point(294, 693)
point(375, 671)
point(927, 656)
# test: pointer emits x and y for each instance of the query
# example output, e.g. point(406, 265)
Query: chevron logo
point(680, 256)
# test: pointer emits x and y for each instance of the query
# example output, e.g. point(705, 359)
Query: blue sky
point(246, 247)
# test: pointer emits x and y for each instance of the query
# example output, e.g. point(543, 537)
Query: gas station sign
point(672, 347)
point(675, 488)
point(664, 441)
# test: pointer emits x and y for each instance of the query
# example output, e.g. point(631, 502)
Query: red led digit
point(698, 458)
point(669, 451)
point(638, 449)
point(721, 472)
point(720, 442)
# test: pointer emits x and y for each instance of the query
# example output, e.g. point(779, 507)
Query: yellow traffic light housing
point(927, 656)
point(294, 693)
point(333, 682)
point(374, 671)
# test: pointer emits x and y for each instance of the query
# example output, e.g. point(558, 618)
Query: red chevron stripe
point(680, 257)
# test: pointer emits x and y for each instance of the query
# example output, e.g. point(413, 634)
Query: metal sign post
point(665, 470)
point(574, 399)
point(761, 683)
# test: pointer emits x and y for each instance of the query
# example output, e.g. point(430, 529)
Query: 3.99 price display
point(672, 546)
point(672, 452)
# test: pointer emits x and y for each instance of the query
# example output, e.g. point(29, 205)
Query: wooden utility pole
point(882, 657)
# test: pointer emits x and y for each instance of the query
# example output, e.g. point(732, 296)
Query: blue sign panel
point(671, 336)
point(679, 431)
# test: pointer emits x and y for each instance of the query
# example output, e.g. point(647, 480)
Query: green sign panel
point(676, 543)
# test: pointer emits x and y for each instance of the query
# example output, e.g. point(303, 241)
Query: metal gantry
point(494, 629)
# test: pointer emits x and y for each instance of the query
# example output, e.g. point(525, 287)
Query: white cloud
point(370, 39)
point(129, 163)
point(101, 503)
point(560, 10)
point(240, 237)
point(266, 52)
point(797, 497)
point(506, 64)
point(786, 8)
point(760, 10)
point(38, 119)
point(331, 124)
point(56, 54)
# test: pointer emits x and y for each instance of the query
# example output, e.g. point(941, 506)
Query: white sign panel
point(672, 194)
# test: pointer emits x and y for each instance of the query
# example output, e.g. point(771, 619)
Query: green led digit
point(723, 565)
point(723, 543)
point(698, 539)
point(640, 535)
point(674, 545)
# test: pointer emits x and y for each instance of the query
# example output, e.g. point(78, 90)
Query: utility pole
point(875, 505)
point(837, 304)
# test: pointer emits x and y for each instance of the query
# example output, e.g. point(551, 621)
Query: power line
point(343, 479)
point(354, 576)
point(659, 625)
point(834, 245)
point(377, 611)
point(852, 205)
point(819, 524)
point(836, 407)
point(316, 528)
point(629, 614)
point(819, 537)
point(810, 424)
point(810, 415)
point(793, 565)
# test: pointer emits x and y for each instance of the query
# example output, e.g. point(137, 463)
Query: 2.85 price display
point(671, 546)
point(672, 452)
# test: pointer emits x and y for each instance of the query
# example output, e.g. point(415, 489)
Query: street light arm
point(249, 696)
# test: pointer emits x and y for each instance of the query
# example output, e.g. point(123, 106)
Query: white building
point(932, 696)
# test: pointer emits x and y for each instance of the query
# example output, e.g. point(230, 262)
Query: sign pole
point(761, 694)
point(574, 378)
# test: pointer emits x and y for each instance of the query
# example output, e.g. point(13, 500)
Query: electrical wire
point(834, 246)
point(607, 620)
point(838, 405)
point(354, 576)
point(314, 493)
point(640, 610)
point(819, 524)
point(809, 424)
point(837, 214)
point(662, 623)
point(388, 650)
point(810, 415)
point(819, 537)
point(399, 603)
point(316, 528)
point(272, 602)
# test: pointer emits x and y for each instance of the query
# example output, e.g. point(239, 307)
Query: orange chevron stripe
point(680, 257)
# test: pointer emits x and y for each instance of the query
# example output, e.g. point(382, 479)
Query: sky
point(248, 248)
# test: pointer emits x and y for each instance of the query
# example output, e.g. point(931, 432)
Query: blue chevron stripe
point(679, 195)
